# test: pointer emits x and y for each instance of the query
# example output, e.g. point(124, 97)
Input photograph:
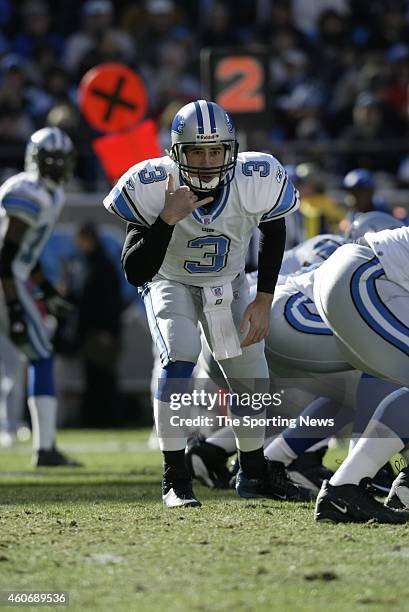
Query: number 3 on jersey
point(214, 255)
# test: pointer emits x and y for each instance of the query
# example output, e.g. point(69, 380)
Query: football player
point(30, 203)
point(362, 293)
point(191, 215)
point(300, 345)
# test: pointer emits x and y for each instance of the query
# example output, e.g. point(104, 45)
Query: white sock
point(223, 438)
point(43, 412)
point(171, 435)
point(352, 443)
point(278, 450)
point(376, 446)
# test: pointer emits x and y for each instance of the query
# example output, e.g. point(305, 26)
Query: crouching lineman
point(362, 293)
point(191, 216)
point(299, 344)
point(30, 203)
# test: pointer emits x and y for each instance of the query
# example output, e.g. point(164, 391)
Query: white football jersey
point(392, 249)
point(311, 251)
point(303, 282)
point(298, 282)
point(24, 197)
point(208, 246)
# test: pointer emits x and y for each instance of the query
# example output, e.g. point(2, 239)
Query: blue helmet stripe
point(375, 300)
point(211, 116)
point(199, 118)
point(297, 315)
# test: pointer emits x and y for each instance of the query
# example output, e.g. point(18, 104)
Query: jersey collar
point(207, 215)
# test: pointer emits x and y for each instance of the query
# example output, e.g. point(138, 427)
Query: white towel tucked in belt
point(217, 309)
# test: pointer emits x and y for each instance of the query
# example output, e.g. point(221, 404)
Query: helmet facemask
point(194, 176)
point(55, 168)
point(50, 157)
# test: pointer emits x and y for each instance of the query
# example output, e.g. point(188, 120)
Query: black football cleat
point(351, 503)
point(308, 471)
point(398, 497)
point(273, 484)
point(179, 494)
point(383, 480)
point(54, 458)
point(208, 464)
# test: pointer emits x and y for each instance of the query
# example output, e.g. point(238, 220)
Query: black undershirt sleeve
point(270, 256)
point(144, 250)
point(7, 254)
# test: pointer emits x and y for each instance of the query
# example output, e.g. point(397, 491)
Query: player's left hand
point(257, 315)
point(59, 306)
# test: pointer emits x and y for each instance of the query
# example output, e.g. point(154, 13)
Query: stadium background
point(338, 99)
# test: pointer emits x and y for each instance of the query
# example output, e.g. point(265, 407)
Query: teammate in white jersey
point(30, 203)
point(301, 345)
point(362, 292)
point(191, 217)
point(311, 251)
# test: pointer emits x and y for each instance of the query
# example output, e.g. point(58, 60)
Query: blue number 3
point(262, 167)
point(217, 259)
point(153, 176)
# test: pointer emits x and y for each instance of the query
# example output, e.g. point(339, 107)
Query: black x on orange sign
point(112, 97)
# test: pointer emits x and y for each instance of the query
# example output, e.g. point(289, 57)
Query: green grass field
point(100, 533)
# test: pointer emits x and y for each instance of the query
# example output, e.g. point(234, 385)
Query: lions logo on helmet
point(203, 123)
point(50, 155)
point(373, 221)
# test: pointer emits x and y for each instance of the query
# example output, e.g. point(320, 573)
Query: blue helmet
point(359, 177)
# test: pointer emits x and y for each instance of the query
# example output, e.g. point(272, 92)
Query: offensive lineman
point(368, 284)
point(191, 216)
point(30, 204)
point(300, 340)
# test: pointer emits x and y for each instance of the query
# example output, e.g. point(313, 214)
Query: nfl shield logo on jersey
point(217, 291)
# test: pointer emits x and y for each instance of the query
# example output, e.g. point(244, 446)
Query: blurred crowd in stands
point(340, 72)
point(339, 122)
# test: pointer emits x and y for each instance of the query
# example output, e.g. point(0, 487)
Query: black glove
point(17, 325)
point(56, 304)
point(59, 307)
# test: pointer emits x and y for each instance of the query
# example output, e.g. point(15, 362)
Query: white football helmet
point(373, 221)
point(204, 123)
point(50, 156)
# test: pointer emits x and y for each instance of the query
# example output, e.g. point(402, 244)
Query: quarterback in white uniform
point(30, 204)
point(191, 217)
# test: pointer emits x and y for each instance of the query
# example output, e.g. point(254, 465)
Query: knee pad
point(184, 350)
point(172, 379)
point(41, 377)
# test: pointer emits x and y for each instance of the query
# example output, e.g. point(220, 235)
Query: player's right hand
point(180, 203)
point(17, 325)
